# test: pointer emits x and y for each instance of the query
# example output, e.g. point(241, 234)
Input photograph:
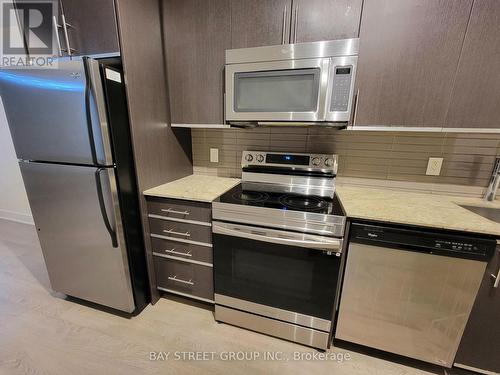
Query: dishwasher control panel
point(469, 247)
point(427, 240)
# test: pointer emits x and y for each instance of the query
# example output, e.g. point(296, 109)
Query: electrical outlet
point(434, 166)
point(214, 155)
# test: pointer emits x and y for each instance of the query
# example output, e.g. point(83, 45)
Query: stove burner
point(250, 196)
point(303, 203)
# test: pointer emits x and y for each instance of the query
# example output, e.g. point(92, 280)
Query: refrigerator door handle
point(88, 113)
point(96, 91)
point(104, 212)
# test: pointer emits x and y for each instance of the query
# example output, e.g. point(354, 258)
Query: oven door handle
point(302, 240)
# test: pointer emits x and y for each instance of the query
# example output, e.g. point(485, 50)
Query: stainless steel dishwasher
point(410, 291)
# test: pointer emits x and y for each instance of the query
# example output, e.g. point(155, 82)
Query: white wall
point(13, 200)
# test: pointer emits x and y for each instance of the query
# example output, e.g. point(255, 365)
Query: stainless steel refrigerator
point(71, 134)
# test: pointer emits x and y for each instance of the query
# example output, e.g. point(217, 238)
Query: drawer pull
point(172, 251)
point(174, 278)
point(171, 231)
point(171, 211)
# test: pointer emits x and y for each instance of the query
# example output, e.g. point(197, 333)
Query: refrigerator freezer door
point(52, 114)
point(81, 235)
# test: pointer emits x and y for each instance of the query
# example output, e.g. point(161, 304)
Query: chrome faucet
point(491, 192)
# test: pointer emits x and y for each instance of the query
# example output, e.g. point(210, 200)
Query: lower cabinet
point(179, 276)
point(479, 349)
point(181, 240)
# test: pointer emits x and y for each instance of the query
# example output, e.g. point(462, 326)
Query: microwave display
point(343, 71)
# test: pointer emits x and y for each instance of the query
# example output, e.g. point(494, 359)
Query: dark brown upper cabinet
point(264, 23)
point(83, 28)
point(197, 33)
point(91, 26)
point(260, 22)
point(409, 52)
point(29, 45)
point(315, 20)
point(476, 95)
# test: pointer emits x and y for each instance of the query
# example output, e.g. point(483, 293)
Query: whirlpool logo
point(28, 34)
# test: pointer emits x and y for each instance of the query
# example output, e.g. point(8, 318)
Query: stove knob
point(329, 162)
point(315, 161)
point(248, 157)
point(260, 158)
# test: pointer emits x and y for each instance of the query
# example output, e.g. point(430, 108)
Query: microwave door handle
point(330, 245)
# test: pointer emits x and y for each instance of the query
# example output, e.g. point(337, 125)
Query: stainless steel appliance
point(491, 191)
point(278, 240)
point(71, 134)
point(295, 84)
point(410, 291)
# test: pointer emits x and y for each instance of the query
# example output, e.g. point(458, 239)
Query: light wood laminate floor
point(44, 333)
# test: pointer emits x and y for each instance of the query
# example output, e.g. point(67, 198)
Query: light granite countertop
point(414, 208)
point(194, 188)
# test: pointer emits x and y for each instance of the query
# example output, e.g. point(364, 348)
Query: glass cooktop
point(282, 201)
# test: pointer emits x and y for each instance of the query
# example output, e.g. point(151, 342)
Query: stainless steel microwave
point(293, 84)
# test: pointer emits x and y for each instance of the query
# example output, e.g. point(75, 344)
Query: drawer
point(179, 209)
point(182, 231)
point(183, 277)
point(182, 250)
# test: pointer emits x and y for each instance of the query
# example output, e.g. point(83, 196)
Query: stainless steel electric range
point(278, 240)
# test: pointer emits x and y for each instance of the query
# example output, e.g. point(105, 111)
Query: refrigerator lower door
point(54, 115)
point(77, 216)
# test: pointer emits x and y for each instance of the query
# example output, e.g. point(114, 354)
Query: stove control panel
point(290, 160)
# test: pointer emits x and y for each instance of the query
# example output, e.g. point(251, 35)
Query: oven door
point(293, 90)
point(283, 275)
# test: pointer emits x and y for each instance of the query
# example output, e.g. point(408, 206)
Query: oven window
point(286, 277)
point(294, 90)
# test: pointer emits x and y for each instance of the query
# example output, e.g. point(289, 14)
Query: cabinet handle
point(66, 35)
point(496, 278)
point(174, 278)
point(56, 29)
point(295, 24)
point(355, 108)
point(171, 231)
point(171, 211)
point(284, 26)
point(172, 251)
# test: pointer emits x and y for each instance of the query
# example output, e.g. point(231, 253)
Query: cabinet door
point(325, 20)
point(476, 97)
point(259, 22)
point(23, 38)
point(197, 33)
point(409, 51)
point(93, 28)
point(481, 340)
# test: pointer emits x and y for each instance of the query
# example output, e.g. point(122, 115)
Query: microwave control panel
point(341, 88)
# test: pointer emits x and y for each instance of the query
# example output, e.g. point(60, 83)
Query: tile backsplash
point(400, 156)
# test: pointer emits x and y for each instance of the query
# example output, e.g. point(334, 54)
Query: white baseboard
point(16, 216)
